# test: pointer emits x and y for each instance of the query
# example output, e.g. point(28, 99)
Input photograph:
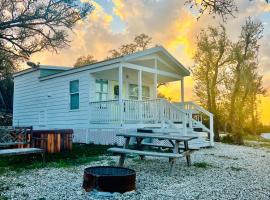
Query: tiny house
point(101, 99)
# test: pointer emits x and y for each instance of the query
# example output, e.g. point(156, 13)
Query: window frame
point(74, 93)
point(134, 97)
point(101, 92)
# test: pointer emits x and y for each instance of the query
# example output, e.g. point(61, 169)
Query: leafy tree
point(227, 80)
point(211, 58)
point(244, 80)
point(30, 26)
point(7, 67)
point(85, 60)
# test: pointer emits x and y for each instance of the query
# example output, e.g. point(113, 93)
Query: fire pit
point(109, 179)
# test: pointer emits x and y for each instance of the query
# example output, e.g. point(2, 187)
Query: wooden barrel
point(54, 141)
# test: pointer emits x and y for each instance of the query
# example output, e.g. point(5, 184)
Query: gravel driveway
point(223, 172)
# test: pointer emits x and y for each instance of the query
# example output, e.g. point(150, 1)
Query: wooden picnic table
point(174, 139)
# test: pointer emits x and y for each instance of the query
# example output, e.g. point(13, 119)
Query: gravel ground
point(224, 172)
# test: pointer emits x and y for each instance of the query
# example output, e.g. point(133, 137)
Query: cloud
point(90, 36)
point(169, 22)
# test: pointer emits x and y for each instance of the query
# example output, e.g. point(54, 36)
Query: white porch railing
point(105, 112)
point(157, 110)
point(195, 113)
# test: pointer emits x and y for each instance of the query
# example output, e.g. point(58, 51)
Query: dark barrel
point(109, 179)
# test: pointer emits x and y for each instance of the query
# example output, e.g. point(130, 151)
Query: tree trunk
point(2, 101)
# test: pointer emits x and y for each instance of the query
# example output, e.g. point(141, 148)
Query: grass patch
point(80, 154)
point(201, 165)
point(3, 197)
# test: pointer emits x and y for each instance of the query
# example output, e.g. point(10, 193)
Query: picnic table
point(174, 139)
point(20, 137)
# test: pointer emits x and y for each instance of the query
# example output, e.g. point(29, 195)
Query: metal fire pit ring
point(109, 179)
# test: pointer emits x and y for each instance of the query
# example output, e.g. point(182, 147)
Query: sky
point(170, 23)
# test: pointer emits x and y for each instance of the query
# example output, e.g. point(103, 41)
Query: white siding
point(45, 104)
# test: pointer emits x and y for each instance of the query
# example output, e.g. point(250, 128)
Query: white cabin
point(99, 100)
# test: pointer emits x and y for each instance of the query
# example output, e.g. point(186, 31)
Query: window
point(145, 92)
point(133, 92)
point(116, 91)
point(101, 90)
point(74, 94)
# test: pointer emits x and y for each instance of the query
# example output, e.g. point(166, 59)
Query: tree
point(223, 8)
point(114, 54)
point(7, 67)
point(128, 48)
point(227, 81)
point(31, 26)
point(85, 60)
point(244, 79)
point(141, 42)
point(211, 58)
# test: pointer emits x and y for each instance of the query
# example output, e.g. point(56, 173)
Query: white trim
point(182, 90)
point(91, 70)
point(113, 61)
point(140, 85)
point(54, 67)
point(150, 70)
point(155, 80)
point(120, 82)
point(25, 71)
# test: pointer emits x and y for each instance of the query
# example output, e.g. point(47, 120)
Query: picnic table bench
point(22, 138)
point(174, 139)
point(23, 151)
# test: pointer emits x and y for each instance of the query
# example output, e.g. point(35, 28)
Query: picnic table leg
point(43, 159)
point(122, 156)
point(139, 146)
point(187, 153)
point(173, 160)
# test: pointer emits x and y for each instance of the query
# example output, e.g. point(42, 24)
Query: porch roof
point(158, 50)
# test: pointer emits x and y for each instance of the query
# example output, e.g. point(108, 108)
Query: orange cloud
point(169, 23)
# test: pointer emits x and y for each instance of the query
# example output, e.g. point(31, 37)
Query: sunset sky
point(170, 23)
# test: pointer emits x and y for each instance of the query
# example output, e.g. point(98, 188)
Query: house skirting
point(100, 136)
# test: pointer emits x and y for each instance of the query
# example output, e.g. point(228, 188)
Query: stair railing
point(189, 107)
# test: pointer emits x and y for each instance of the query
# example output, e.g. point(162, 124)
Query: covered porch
point(128, 92)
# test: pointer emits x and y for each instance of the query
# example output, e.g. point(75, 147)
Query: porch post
point(155, 80)
point(182, 90)
point(140, 85)
point(140, 93)
point(120, 81)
